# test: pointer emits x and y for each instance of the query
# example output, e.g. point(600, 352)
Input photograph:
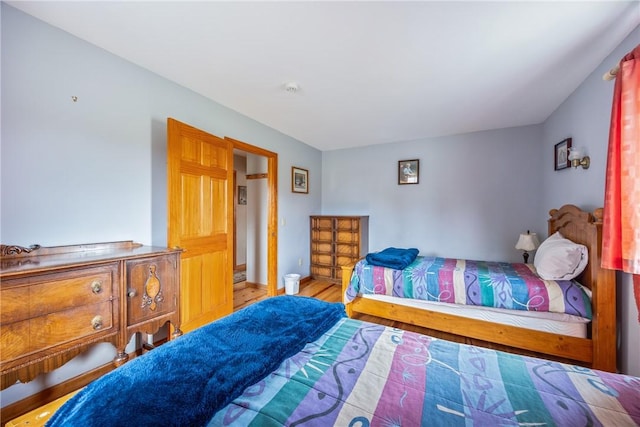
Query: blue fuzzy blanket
point(185, 381)
point(395, 258)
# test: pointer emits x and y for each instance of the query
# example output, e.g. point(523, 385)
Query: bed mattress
point(503, 285)
point(556, 323)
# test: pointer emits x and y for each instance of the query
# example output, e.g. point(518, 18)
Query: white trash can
point(291, 284)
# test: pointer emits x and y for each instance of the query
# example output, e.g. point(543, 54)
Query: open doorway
point(245, 292)
point(255, 183)
point(239, 217)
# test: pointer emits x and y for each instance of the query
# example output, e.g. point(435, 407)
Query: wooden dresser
point(337, 241)
point(56, 302)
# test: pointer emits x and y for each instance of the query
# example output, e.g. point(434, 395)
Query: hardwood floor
point(245, 295)
point(331, 292)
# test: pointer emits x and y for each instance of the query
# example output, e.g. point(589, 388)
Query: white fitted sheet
point(557, 323)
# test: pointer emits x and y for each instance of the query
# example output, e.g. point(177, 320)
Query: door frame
point(272, 215)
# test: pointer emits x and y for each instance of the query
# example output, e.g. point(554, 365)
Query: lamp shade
point(528, 242)
point(575, 154)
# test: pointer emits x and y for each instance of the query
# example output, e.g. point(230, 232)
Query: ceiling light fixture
point(291, 87)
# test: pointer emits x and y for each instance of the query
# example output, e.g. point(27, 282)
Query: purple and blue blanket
point(361, 374)
point(295, 361)
point(513, 286)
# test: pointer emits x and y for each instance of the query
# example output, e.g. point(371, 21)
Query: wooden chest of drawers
point(57, 302)
point(337, 241)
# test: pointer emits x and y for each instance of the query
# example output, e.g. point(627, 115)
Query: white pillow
point(558, 258)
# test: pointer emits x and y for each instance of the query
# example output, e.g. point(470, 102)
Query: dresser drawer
point(49, 293)
point(14, 340)
point(89, 288)
point(29, 336)
point(14, 303)
point(65, 326)
point(322, 259)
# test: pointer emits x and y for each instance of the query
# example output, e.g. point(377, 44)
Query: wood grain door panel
point(200, 174)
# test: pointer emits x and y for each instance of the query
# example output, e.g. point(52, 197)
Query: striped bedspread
point(514, 286)
point(361, 374)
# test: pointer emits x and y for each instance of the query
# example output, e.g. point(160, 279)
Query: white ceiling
point(368, 72)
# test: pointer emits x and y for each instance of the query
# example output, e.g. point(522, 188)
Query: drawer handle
point(132, 293)
point(96, 323)
point(96, 286)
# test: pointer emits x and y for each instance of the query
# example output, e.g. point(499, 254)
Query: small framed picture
point(561, 154)
point(242, 195)
point(299, 180)
point(408, 171)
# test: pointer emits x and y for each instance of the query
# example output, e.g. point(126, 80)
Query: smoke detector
point(291, 87)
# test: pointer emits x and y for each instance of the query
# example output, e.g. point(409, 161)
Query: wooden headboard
point(584, 228)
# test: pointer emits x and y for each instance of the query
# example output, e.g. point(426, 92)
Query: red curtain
point(621, 223)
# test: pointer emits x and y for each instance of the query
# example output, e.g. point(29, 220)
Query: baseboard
point(50, 394)
point(280, 291)
point(256, 285)
point(303, 282)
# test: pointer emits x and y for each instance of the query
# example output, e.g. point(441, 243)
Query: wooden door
point(200, 192)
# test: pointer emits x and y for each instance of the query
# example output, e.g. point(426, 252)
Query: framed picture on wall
point(299, 180)
point(242, 195)
point(561, 154)
point(408, 171)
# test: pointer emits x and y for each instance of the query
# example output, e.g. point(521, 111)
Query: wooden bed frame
point(597, 351)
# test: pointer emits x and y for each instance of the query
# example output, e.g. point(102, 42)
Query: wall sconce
point(527, 242)
point(576, 158)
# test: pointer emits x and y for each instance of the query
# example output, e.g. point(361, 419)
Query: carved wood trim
point(15, 250)
point(152, 290)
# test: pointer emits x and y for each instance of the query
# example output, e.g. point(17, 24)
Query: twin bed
point(567, 320)
point(298, 361)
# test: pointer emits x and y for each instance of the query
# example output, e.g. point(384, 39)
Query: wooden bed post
point(603, 331)
point(346, 279)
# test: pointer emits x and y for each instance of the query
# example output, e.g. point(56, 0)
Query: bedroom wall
point(95, 170)
point(585, 117)
point(477, 192)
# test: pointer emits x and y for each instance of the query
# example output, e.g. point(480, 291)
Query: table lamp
point(527, 242)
